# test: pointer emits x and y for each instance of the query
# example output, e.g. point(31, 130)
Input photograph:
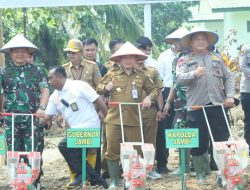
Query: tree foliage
point(51, 28)
point(42, 29)
point(165, 18)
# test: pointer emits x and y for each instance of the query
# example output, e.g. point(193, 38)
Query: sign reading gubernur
point(83, 138)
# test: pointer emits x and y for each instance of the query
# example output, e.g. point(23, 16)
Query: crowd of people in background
point(187, 74)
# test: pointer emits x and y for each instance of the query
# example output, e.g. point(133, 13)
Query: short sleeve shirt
point(75, 93)
point(88, 71)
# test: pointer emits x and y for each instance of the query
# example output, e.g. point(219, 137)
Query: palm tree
point(101, 23)
point(55, 26)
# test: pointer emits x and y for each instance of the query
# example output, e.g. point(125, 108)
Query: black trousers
point(73, 157)
point(98, 165)
point(245, 102)
point(217, 123)
point(162, 153)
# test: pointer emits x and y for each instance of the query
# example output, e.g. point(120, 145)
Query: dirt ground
point(56, 173)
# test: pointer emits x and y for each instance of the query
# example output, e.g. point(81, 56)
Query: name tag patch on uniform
point(134, 91)
point(74, 106)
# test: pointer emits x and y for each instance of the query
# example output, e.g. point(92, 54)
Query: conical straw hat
point(19, 42)
point(211, 36)
point(177, 34)
point(128, 49)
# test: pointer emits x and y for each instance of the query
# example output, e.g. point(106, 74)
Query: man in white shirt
point(164, 66)
point(74, 99)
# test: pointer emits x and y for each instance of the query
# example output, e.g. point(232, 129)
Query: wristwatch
point(42, 107)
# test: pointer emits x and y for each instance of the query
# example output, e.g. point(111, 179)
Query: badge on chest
point(134, 91)
point(74, 106)
point(71, 103)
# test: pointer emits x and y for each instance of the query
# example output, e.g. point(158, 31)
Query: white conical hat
point(211, 36)
point(128, 49)
point(175, 35)
point(19, 41)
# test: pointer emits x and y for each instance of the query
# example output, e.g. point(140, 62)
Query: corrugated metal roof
point(63, 3)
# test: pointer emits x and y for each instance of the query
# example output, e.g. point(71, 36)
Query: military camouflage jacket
point(179, 90)
point(21, 86)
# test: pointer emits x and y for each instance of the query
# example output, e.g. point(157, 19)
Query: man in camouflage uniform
point(40, 141)
point(124, 85)
point(25, 90)
point(177, 94)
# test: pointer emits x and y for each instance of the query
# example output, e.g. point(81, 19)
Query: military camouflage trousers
point(180, 119)
point(22, 137)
